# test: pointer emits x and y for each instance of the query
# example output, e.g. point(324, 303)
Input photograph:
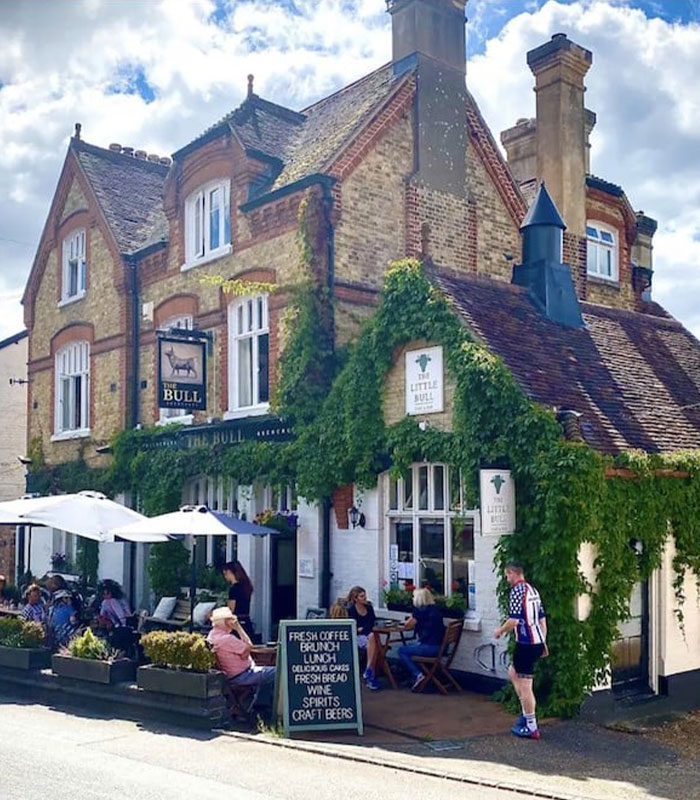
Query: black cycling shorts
point(525, 657)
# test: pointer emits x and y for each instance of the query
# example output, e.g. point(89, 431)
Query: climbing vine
point(566, 496)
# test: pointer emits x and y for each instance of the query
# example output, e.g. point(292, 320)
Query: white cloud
point(644, 89)
point(57, 66)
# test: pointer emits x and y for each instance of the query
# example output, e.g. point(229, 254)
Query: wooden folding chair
point(240, 701)
point(436, 667)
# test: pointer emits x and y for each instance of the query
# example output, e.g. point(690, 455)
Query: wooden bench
point(179, 620)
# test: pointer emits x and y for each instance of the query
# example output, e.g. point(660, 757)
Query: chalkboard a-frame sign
point(318, 675)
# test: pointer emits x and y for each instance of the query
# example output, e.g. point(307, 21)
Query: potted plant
point(89, 658)
point(21, 644)
point(282, 521)
point(396, 599)
point(181, 664)
point(453, 606)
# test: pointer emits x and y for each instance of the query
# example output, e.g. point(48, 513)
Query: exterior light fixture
point(356, 517)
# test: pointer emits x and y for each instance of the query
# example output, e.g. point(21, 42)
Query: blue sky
point(154, 73)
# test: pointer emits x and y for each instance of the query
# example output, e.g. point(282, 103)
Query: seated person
point(430, 630)
point(62, 620)
point(113, 615)
point(360, 609)
point(232, 645)
point(35, 610)
point(338, 611)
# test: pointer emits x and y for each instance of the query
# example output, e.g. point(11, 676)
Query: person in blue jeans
point(427, 621)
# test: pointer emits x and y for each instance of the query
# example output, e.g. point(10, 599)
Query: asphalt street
point(52, 753)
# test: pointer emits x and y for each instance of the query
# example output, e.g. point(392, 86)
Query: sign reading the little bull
point(318, 675)
point(182, 374)
point(497, 490)
point(424, 381)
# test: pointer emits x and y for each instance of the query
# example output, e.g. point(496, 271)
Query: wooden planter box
point(85, 669)
point(200, 685)
point(25, 657)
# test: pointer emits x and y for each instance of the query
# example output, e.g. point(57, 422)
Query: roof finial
point(251, 78)
point(78, 126)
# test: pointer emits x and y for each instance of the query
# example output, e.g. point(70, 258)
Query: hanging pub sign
point(317, 684)
point(182, 373)
point(497, 492)
point(424, 381)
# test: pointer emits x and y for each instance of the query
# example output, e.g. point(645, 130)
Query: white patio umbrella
point(87, 514)
point(192, 521)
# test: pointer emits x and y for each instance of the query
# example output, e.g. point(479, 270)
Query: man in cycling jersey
point(527, 618)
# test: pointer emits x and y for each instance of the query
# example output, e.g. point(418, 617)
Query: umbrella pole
point(193, 581)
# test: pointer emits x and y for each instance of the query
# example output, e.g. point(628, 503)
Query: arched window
point(74, 270)
point(73, 389)
point(602, 258)
point(208, 223)
point(249, 362)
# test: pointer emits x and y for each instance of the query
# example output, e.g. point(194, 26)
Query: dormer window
point(208, 223)
point(602, 258)
point(74, 271)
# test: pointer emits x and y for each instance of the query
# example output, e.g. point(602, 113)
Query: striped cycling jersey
point(525, 606)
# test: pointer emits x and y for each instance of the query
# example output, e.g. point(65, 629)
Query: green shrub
point(168, 568)
point(90, 646)
point(178, 650)
point(16, 632)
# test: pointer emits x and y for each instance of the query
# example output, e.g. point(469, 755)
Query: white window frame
point(74, 252)
point(72, 368)
point(240, 328)
point(414, 515)
point(180, 415)
point(198, 249)
point(597, 249)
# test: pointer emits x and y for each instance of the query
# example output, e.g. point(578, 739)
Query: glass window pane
point(249, 314)
point(455, 495)
point(263, 368)
point(607, 263)
point(423, 488)
point(197, 225)
point(245, 372)
point(408, 489)
point(463, 580)
point(438, 488)
point(227, 217)
point(65, 404)
point(260, 321)
point(606, 237)
point(592, 233)
point(78, 401)
point(401, 564)
point(239, 316)
point(592, 257)
point(432, 555)
point(214, 218)
point(393, 494)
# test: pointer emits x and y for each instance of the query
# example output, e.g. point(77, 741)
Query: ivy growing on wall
point(564, 497)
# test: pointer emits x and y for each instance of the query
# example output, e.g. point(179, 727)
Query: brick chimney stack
point(429, 37)
point(559, 67)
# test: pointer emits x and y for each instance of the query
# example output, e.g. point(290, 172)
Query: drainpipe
point(326, 573)
point(131, 263)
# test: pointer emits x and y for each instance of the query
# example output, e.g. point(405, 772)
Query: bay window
point(208, 223)
point(430, 537)
point(249, 361)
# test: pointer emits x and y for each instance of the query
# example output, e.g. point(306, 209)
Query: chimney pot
point(166, 161)
point(251, 79)
point(153, 158)
point(115, 148)
point(128, 151)
point(142, 154)
point(78, 126)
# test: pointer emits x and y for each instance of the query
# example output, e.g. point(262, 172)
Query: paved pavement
point(47, 752)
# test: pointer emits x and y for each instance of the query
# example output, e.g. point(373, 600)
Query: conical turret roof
point(543, 211)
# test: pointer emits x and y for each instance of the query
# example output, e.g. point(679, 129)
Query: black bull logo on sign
point(178, 365)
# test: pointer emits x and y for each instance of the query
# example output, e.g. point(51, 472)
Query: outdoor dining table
point(5, 611)
point(386, 633)
point(264, 656)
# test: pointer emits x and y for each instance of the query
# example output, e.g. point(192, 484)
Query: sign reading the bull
point(182, 374)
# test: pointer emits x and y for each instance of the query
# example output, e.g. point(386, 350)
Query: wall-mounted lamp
point(103, 449)
point(356, 517)
point(424, 424)
point(18, 381)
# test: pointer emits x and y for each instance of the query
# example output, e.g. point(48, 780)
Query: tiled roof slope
point(332, 122)
point(634, 377)
point(130, 193)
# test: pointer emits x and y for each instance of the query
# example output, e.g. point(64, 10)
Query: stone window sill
point(248, 411)
point(208, 258)
point(609, 283)
point(65, 435)
point(66, 301)
point(184, 419)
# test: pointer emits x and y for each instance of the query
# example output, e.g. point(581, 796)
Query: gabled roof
point(634, 377)
point(16, 337)
point(130, 193)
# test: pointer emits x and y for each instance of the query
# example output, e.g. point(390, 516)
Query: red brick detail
point(271, 220)
point(413, 224)
point(393, 110)
point(342, 499)
point(178, 306)
point(619, 204)
point(486, 148)
point(153, 267)
point(355, 294)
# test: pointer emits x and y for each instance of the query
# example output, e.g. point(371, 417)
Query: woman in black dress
point(239, 593)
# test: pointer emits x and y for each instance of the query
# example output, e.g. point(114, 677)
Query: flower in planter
point(283, 521)
point(90, 647)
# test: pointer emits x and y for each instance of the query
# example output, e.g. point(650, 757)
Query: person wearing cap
point(34, 610)
point(63, 617)
point(232, 646)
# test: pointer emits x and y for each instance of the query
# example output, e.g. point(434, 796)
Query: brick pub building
point(399, 163)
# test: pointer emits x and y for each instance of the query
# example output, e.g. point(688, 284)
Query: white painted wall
point(309, 546)
point(13, 431)
point(679, 650)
